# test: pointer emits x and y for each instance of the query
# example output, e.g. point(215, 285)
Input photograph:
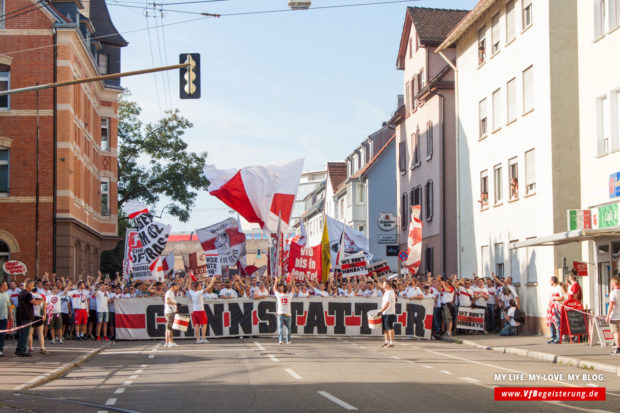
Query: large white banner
point(143, 318)
point(226, 239)
point(354, 241)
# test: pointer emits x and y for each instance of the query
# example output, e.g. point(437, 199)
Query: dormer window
point(102, 61)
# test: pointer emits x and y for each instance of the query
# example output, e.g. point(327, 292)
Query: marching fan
point(284, 295)
point(170, 309)
point(388, 313)
point(6, 313)
point(553, 311)
point(613, 313)
point(199, 316)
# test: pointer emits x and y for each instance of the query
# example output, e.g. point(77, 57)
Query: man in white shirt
point(491, 305)
point(55, 322)
point(79, 302)
point(413, 292)
point(260, 292)
point(510, 328)
point(103, 316)
point(199, 316)
point(388, 313)
point(613, 313)
point(481, 294)
point(284, 294)
point(228, 293)
point(13, 293)
point(170, 309)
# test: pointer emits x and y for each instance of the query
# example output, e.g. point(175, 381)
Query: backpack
point(519, 316)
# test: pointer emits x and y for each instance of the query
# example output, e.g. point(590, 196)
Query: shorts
point(614, 326)
point(92, 316)
point(447, 313)
point(169, 321)
point(388, 321)
point(103, 317)
point(56, 322)
point(199, 318)
point(38, 321)
point(66, 319)
point(81, 317)
point(112, 320)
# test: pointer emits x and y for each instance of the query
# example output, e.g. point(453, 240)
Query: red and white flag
point(260, 194)
point(414, 243)
point(226, 238)
point(168, 263)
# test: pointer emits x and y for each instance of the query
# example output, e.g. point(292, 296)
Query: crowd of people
point(57, 309)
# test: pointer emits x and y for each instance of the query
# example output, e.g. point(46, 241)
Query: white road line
point(362, 347)
point(139, 371)
point(427, 367)
point(337, 400)
point(408, 361)
point(120, 390)
point(470, 379)
point(151, 356)
point(273, 358)
point(259, 346)
point(110, 402)
point(396, 357)
point(133, 377)
point(128, 383)
point(102, 411)
point(293, 374)
point(171, 351)
point(446, 372)
point(144, 365)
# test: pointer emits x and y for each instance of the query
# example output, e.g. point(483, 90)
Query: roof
point(337, 173)
point(369, 164)
point(431, 25)
point(105, 32)
point(465, 23)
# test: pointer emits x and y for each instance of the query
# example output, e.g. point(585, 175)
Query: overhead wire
point(11, 15)
point(166, 91)
point(167, 73)
point(146, 14)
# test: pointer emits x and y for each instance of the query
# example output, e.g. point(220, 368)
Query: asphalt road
point(310, 374)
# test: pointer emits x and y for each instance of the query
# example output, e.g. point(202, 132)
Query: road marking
point(120, 390)
point(396, 357)
point(337, 400)
point(171, 351)
point(273, 358)
point(133, 377)
point(446, 372)
point(408, 361)
point(471, 379)
point(293, 374)
point(363, 347)
point(128, 383)
point(144, 365)
point(139, 371)
point(110, 402)
point(259, 346)
point(151, 356)
point(427, 367)
point(415, 347)
point(102, 411)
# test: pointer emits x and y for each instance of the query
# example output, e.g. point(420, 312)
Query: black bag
point(519, 316)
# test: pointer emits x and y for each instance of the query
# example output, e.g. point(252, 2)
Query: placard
point(601, 332)
point(470, 318)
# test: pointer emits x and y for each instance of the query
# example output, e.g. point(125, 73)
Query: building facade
point(58, 148)
point(308, 182)
point(425, 133)
point(517, 141)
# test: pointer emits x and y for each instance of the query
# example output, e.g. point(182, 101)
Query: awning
point(567, 237)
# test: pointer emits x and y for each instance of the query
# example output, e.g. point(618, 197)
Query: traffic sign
point(403, 256)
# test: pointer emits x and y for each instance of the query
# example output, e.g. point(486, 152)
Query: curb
point(541, 356)
point(62, 370)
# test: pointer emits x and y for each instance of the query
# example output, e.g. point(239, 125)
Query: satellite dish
point(299, 5)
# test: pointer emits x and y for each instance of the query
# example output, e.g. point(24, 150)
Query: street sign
point(386, 239)
point(403, 256)
point(189, 77)
point(386, 221)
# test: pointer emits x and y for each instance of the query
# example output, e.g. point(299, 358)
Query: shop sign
point(608, 216)
point(614, 185)
point(579, 219)
point(386, 221)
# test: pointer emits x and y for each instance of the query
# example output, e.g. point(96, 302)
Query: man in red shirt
point(574, 291)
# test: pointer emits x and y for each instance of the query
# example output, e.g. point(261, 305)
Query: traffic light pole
point(94, 79)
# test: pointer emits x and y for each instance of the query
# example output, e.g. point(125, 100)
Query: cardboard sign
point(13, 267)
point(470, 318)
point(381, 268)
point(354, 265)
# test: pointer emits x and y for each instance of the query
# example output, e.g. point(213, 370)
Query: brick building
point(73, 129)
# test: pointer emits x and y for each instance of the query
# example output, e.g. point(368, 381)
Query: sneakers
point(551, 341)
point(106, 339)
point(60, 340)
point(165, 345)
point(173, 345)
point(615, 351)
point(279, 342)
point(384, 345)
point(53, 341)
point(1, 354)
point(43, 351)
point(198, 341)
point(391, 345)
point(289, 342)
point(98, 338)
point(204, 341)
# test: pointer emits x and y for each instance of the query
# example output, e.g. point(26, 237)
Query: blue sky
point(309, 84)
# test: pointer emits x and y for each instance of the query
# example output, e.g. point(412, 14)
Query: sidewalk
point(20, 373)
point(536, 347)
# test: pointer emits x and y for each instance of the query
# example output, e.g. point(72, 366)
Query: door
point(604, 271)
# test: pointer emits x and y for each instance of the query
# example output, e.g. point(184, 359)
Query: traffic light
point(189, 77)
point(258, 253)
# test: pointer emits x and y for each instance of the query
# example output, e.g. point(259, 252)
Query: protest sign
point(226, 239)
point(470, 318)
point(354, 265)
point(380, 268)
point(305, 262)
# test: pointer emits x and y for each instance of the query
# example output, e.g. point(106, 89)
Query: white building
point(517, 123)
point(308, 182)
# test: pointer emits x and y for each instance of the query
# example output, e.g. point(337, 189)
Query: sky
point(275, 86)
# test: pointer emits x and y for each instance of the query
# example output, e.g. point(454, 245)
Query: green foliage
point(153, 161)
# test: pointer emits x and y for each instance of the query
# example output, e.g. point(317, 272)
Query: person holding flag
point(199, 316)
point(284, 294)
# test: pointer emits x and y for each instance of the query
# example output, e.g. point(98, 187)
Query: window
point(341, 208)
point(416, 148)
point(105, 134)
point(499, 260)
point(349, 195)
point(530, 172)
point(497, 110)
point(2, 14)
point(528, 89)
point(495, 34)
point(482, 45)
point(428, 259)
point(614, 14)
point(403, 211)
point(428, 200)
point(105, 198)
point(416, 198)
point(420, 80)
point(602, 128)
point(410, 47)
point(4, 171)
point(515, 266)
point(484, 189)
point(407, 103)
point(402, 157)
point(360, 193)
point(482, 114)
point(497, 182)
point(510, 21)
point(355, 163)
point(5, 84)
point(513, 177)
point(599, 18)
point(429, 140)
point(527, 13)
point(532, 273)
point(103, 63)
point(511, 100)
point(414, 92)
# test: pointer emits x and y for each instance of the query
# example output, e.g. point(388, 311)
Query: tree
point(153, 161)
